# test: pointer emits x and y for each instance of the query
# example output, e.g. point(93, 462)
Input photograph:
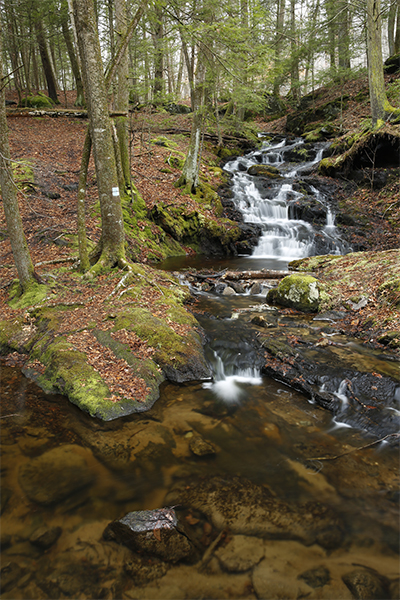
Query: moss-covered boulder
point(264, 171)
point(39, 101)
point(301, 292)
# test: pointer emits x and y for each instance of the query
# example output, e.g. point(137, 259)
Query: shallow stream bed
point(268, 516)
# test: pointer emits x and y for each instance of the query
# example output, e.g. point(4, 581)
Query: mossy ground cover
point(348, 280)
point(107, 343)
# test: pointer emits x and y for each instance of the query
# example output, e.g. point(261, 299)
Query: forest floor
point(52, 146)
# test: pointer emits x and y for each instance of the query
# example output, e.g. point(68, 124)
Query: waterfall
point(230, 380)
point(266, 202)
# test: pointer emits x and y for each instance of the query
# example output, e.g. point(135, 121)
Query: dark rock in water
point(45, 537)
point(151, 532)
point(317, 577)
point(4, 498)
point(219, 288)
point(249, 509)
point(5, 541)
point(10, 574)
point(201, 447)
point(256, 289)
point(55, 475)
point(367, 584)
point(327, 372)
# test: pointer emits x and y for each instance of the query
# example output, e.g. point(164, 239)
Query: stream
point(278, 497)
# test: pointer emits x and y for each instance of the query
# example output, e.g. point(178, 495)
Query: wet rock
point(317, 577)
point(271, 579)
point(11, 573)
point(264, 170)
point(296, 291)
point(200, 447)
point(5, 495)
point(256, 289)
point(219, 288)
point(55, 475)
point(142, 570)
point(241, 553)
point(229, 291)
point(238, 287)
point(248, 509)
point(5, 541)
point(367, 584)
point(45, 537)
point(151, 532)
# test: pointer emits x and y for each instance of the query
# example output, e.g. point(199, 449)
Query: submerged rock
point(249, 509)
point(367, 584)
point(55, 475)
point(297, 291)
point(45, 537)
point(241, 553)
point(200, 447)
point(151, 532)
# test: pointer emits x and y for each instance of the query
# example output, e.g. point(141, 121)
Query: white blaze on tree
point(111, 250)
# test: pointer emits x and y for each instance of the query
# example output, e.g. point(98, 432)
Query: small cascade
point(230, 378)
point(266, 202)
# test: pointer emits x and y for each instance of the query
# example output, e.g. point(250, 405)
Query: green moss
point(11, 336)
point(39, 101)
point(301, 292)
point(33, 295)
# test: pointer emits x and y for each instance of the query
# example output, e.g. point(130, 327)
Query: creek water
point(265, 436)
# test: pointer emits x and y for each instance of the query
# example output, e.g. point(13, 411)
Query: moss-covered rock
point(179, 356)
point(301, 292)
point(264, 171)
point(39, 101)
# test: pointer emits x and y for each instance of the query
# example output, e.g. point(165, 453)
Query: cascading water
point(266, 202)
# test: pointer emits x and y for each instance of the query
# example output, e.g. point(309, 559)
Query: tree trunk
point(80, 99)
point(190, 171)
point(46, 61)
point(111, 249)
point(158, 40)
point(122, 95)
point(380, 107)
point(279, 37)
point(19, 246)
point(344, 36)
point(294, 58)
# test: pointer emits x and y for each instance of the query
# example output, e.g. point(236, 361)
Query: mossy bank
point(109, 344)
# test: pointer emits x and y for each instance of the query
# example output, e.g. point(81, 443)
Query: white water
point(282, 237)
point(229, 383)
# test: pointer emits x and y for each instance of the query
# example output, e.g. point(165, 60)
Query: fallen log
point(263, 274)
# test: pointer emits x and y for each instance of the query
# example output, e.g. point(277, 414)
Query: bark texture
point(111, 250)
point(18, 241)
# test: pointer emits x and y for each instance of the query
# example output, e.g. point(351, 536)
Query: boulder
point(55, 475)
point(151, 532)
point(367, 584)
point(264, 171)
point(300, 292)
point(45, 537)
